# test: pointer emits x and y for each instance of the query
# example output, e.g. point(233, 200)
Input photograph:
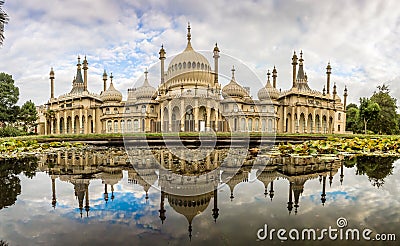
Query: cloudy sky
point(359, 38)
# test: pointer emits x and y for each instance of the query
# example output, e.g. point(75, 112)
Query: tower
point(85, 68)
point(104, 80)
point(162, 59)
point(52, 83)
point(328, 77)
point(274, 75)
point(345, 98)
point(216, 56)
point(294, 63)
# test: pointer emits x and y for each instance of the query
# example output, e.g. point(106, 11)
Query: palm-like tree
point(3, 21)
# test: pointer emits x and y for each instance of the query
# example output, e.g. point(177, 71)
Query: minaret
point(162, 59)
point(105, 193)
point(290, 203)
point(271, 190)
point(162, 209)
point(294, 63)
point(104, 80)
point(274, 75)
point(334, 91)
point(189, 37)
point(52, 83)
point(323, 195)
point(328, 77)
point(53, 189)
point(216, 56)
point(345, 98)
point(85, 68)
point(215, 209)
point(87, 206)
point(341, 173)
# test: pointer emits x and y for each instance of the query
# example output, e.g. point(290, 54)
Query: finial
point(111, 78)
point(162, 46)
point(301, 54)
point(268, 74)
point(189, 36)
point(145, 73)
point(79, 60)
point(233, 72)
point(104, 73)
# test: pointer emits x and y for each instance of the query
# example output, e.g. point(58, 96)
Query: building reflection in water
point(162, 169)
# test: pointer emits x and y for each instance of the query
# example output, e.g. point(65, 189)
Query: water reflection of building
point(200, 184)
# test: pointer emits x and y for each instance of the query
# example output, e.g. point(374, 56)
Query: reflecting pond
point(102, 196)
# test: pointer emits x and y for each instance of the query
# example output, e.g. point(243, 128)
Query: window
point(143, 109)
point(116, 126)
point(127, 110)
point(339, 116)
point(135, 125)
point(122, 125)
point(129, 125)
point(338, 128)
point(109, 126)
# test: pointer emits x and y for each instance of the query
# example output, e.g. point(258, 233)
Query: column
point(45, 126)
point(196, 115)
point(80, 120)
point(162, 116)
point(208, 110)
point(216, 119)
point(73, 122)
point(169, 117)
point(182, 115)
point(85, 130)
point(94, 120)
point(58, 123)
point(65, 121)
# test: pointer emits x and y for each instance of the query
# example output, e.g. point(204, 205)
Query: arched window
point(189, 64)
point(116, 126)
point(339, 116)
point(184, 64)
point(202, 66)
point(250, 125)
point(122, 125)
point(193, 65)
point(180, 65)
point(242, 124)
point(129, 126)
point(135, 125)
point(109, 126)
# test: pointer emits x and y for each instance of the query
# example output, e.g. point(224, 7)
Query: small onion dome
point(146, 90)
point(268, 91)
point(233, 89)
point(111, 94)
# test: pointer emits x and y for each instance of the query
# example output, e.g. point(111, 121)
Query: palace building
point(189, 98)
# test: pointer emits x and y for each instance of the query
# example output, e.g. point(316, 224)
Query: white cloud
point(358, 37)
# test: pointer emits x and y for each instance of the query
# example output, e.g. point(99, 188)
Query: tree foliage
point(9, 95)
point(368, 111)
point(28, 115)
point(386, 121)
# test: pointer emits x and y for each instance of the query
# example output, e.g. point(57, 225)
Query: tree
point(9, 95)
point(28, 115)
point(3, 20)
point(368, 110)
point(386, 121)
point(352, 118)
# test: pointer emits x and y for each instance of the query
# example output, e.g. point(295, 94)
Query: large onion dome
point(268, 91)
point(233, 89)
point(188, 61)
point(146, 91)
point(111, 94)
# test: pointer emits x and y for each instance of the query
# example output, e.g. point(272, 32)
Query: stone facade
point(190, 98)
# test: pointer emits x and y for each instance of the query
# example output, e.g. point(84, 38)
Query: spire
point(189, 37)
point(85, 68)
point(104, 80)
point(51, 83)
point(300, 74)
point(328, 77)
point(274, 75)
point(78, 78)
